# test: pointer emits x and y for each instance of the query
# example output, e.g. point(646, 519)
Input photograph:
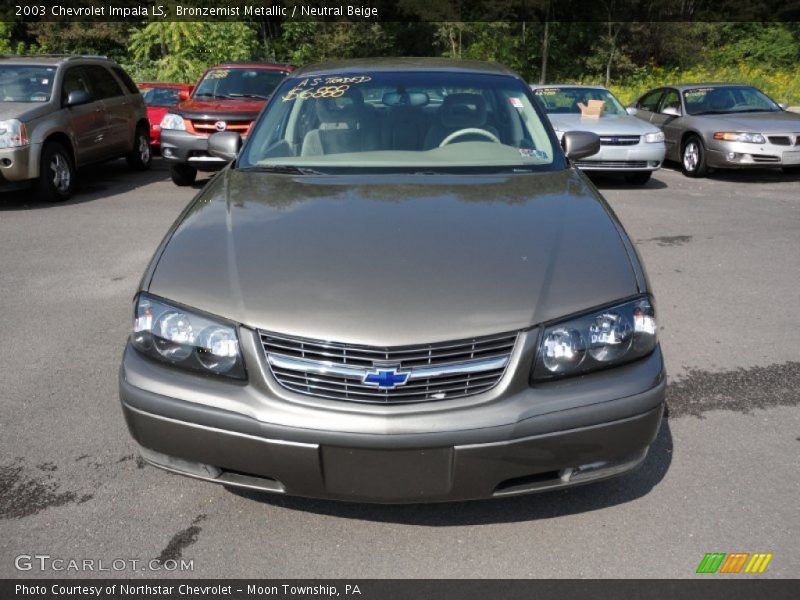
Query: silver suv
point(58, 113)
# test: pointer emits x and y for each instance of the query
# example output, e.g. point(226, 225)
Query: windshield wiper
point(286, 169)
point(259, 96)
point(749, 110)
point(207, 95)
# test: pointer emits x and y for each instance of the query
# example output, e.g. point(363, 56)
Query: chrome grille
point(619, 140)
point(612, 164)
point(435, 371)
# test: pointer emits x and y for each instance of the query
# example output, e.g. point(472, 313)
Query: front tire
point(183, 175)
point(693, 158)
point(140, 158)
point(56, 173)
point(640, 178)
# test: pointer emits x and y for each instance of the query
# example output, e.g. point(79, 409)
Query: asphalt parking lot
point(723, 255)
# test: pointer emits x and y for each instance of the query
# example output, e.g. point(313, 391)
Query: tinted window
point(671, 100)
point(156, 96)
point(103, 82)
point(650, 100)
point(126, 80)
point(75, 79)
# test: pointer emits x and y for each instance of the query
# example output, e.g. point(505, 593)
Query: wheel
point(693, 158)
point(183, 175)
point(639, 178)
point(791, 170)
point(56, 173)
point(140, 157)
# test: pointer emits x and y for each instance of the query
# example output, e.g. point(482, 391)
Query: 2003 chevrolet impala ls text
point(398, 291)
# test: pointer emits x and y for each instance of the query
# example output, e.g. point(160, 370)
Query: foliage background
point(630, 57)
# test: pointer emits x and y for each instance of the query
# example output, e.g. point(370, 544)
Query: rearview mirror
point(580, 144)
point(631, 110)
point(183, 95)
point(671, 111)
point(78, 97)
point(225, 145)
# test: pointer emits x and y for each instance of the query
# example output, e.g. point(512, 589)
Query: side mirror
point(671, 111)
point(580, 144)
point(183, 95)
point(631, 110)
point(783, 105)
point(78, 97)
point(225, 145)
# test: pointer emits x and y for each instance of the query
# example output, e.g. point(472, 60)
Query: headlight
point(13, 134)
point(652, 138)
point(173, 121)
point(739, 136)
point(607, 337)
point(186, 339)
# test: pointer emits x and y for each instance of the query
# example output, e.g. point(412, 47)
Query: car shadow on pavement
point(546, 505)
point(749, 175)
point(605, 181)
point(94, 182)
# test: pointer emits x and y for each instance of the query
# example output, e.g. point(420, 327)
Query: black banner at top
point(402, 10)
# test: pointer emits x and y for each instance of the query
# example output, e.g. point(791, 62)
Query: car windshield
point(716, 100)
point(160, 96)
point(26, 83)
point(239, 82)
point(418, 121)
point(567, 100)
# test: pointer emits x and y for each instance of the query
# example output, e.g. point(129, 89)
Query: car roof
point(50, 59)
point(271, 66)
point(403, 64)
point(689, 86)
point(543, 86)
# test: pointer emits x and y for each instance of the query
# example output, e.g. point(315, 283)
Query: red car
point(227, 97)
point(159, 98)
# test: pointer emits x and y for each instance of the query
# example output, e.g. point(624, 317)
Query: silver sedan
point(714, 125)
point(627, 145)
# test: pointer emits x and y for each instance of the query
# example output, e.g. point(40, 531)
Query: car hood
point(24, 111)
point(605, 125)
point(395, 260)
point(226, 108)
point(769, 122)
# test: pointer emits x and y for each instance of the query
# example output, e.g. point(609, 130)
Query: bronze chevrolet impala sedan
point(399, 290)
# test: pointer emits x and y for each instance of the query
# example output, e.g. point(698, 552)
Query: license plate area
point(791, 158)
point(399, 475)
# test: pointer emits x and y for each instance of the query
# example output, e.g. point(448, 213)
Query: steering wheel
point(456, 134)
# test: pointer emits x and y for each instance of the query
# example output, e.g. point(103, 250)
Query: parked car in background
point(722, 125)
point(159, 98)
point(627, 145)
point(227, 97)
point(400, 291)
point(60, 112)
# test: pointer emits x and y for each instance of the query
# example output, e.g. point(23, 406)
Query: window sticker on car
point(531, 153)
point(697, 92)
point(546, 92)
point(324, 87)
point(516, 102)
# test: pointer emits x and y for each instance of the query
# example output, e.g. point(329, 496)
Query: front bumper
point(638, 157)
point(735, 155)
point(19, 165)
point(181, 147)
point(516, 439)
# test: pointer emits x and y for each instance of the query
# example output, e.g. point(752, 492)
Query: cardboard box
point(594, 110)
